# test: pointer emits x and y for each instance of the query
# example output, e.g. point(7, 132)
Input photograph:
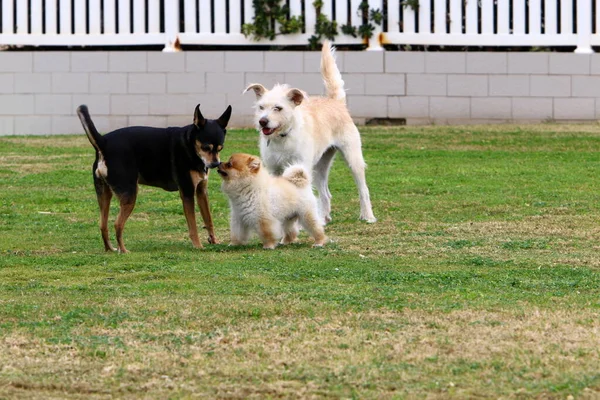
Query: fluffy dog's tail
point(298, 175)
point(334, 85)
point(92, 133)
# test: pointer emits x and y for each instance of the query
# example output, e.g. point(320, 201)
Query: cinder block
point(89, 61)
point(16, 61)
point(7, 126)
point(575, 109)
point(353, 83)
point(550, 86)
point(147, 83)
point(387, 84)
point(570, 63)
point(17, 104)
point(528, 63)
point(244, 61)
point(51, 61)
point(585, 86)
point(158, 121)
point(408, 107)
point(487, 63)
point(594, 64)
point(7, 83)
point(128, 61)
point(467, 85)
point(450, 107)
point(212, 105)
point(312, 61)
point(218, 82)
point(283, 61)
point(446, 62)
point(509, 85)
point(426, 84)
point(404, 62)
point(166, 62)
point(99, 104)
point(66, 125)
point(368, 106)
point(106, 124)
point(54, 104)
point(33, 125)
point(204, 61)
point(33, 83)
point(71, 82)
point(536, 109)
point(363, 62)
point(111, 83)
point(267, 80)
point(178, 120)
point(242, 105)
point(185, 82)
point(310, 83)
point(129, 104)
point(491, 108)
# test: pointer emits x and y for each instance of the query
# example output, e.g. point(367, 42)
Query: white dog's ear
point(296, 96)
point(259, 89)
point(254, 164)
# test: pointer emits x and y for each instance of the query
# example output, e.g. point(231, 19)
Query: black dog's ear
point(199, 120)
point(259, 89)
point(224, 119)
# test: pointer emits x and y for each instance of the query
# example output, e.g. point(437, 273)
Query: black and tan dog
point(175, 158)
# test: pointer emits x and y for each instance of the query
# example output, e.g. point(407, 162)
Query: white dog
point(296, 129)
point(269, 205)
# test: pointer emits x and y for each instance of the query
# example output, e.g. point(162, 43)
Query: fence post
point(584, 27)
point(171, 13)
point(375, 40)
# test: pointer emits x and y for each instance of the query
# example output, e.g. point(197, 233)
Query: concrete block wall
point(39, 91)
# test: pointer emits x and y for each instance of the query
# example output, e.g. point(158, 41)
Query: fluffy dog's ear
point(199, 120)
point(296, 96)
point(259, 89)
point(224, 119)
point(254, 164)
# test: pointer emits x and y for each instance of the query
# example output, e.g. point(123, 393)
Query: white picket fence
point(219, 22)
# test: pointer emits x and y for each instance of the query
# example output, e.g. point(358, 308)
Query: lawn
point(481, 278)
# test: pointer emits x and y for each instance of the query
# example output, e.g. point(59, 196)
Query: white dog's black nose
point(263, 122)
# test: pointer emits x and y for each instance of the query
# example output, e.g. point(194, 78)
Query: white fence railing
point(219, 22)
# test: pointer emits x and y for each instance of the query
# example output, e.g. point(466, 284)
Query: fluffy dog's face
point(274, 109)
point(239, 166)
point(209, 136)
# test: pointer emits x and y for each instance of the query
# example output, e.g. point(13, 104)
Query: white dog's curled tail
point(334, 85)
point(298, 175)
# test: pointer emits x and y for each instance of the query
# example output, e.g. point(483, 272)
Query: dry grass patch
point(377, 354)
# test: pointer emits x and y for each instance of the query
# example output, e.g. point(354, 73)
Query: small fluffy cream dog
point(269, 205)
point(296, 129)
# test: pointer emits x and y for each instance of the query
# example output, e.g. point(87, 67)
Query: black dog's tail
point(92, 133)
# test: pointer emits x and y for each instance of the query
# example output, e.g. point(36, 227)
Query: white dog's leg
point(311, 223)
point(239, 233)
point(353, 154)
point(321, 177)
point(290, 231)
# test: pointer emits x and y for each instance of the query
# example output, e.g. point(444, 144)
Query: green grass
point(480, 279)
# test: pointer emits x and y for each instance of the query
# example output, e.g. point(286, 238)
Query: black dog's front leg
point(190, 217)
point(202, 198)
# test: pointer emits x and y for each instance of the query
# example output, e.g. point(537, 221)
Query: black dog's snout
point(214, 164)
point(263, 122)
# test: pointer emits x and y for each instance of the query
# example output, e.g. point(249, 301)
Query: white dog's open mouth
point(267, 131)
